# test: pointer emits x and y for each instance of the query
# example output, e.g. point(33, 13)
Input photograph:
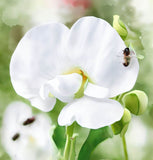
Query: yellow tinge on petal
point(79, 71)
point(32, 140)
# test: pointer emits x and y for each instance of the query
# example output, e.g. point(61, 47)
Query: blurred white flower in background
point(26, 136)
point(34, 12)
point(52, 62)
point(137, 137)
point(64, 11)
point(137, 134)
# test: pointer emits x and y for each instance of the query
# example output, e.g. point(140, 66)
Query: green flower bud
point(120, 127)
point(120, 27)
point(136, 101)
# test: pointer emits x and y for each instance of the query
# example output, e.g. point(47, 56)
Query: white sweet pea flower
point(25, 136)
point(52, 61)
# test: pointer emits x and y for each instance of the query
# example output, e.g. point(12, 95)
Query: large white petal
point(62, 87)
point(96, 91)
point(91, 113)
point(98, 49)
point(44, 104)
point(39, 56)
point(14, 114)
point(115, 76)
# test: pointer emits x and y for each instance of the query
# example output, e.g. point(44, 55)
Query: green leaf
point(59, 137)
point(94, 138)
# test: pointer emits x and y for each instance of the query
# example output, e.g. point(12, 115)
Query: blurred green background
point(18, 16)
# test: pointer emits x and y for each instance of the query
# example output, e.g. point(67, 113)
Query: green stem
point(125, 147)
point(69, 146)
point(72, 148)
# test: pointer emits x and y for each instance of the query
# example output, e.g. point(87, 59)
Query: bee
point(29, 121)
point(16, 136)
point(127, 57)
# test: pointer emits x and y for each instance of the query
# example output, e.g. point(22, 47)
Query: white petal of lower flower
point(91, 113)
point(97, 48)
point(62, 87)
point(31, 141)
point(44, 104)
point(38, 57)
point(38, 138)
point(96, 91)
point(14, 114)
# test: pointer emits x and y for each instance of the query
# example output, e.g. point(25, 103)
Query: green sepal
point(120, 127)
point(120, 27)
point(94, 138)
point(135, 101)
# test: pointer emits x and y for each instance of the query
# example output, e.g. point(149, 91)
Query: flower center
point(85, 80)
point(32, 139)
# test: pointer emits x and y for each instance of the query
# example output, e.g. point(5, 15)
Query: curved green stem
point(72, 148)
point(69, 147)
point(125, 147)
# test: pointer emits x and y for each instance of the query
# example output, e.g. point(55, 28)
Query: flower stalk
point(125, 147)
point(70, 141)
